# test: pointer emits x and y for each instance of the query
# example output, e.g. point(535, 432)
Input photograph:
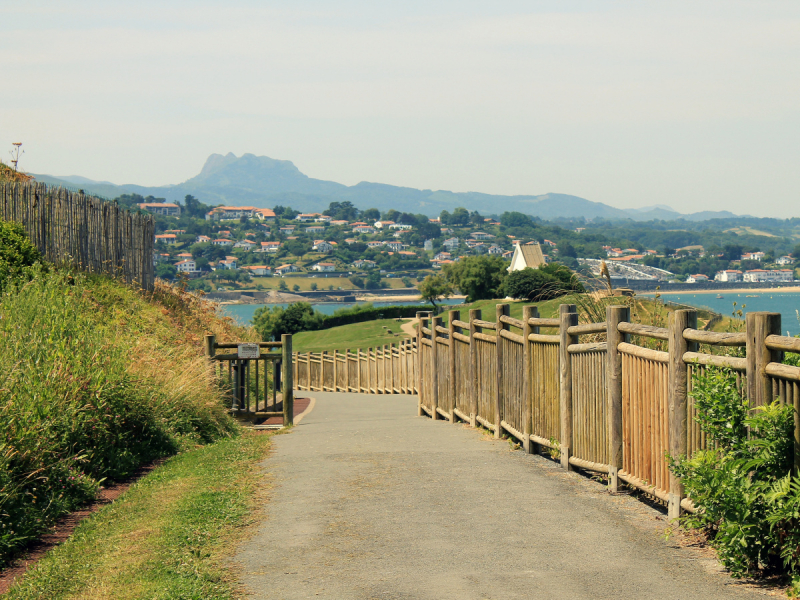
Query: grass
point(166, 537)
point(357, 335)
point(97, 379)
point(372, 333)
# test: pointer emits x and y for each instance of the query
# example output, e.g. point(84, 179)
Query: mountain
point(265, 182)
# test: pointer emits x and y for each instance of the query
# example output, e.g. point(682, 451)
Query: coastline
point(759, 291)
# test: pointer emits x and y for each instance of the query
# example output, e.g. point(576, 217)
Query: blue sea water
point(786, 303)
point(244, 312)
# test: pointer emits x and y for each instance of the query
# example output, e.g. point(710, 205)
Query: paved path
point(371, 501)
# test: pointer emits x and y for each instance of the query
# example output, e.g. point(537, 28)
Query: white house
point(480, 235)
point(753, 256)
point(451, 243)
point(228, 263)
point(202, 239)
point(785, 260)
point(728, 275)
point(270, 246)
point(443, 256)
point(364, 264)
point(427, 245)
point(167, 238)
point(222, 242)
point(394, 246)
point(323, 246)
point(283, 269)
point(324, 267)
point(258, 270)
point(363, 229)
point(246, 244)
point(307, 217)
point(527, 255)
point(161, 208)
point(231, 213)
point(186, 266)
point(375, 244)
point(699, 278)
point(401, 226)
point(493, 249)
point(315, 229)
point(764, 275)
point(383, 224)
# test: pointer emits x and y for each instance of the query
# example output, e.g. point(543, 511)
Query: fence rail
point(83, 231)
point(618, 402)
point(389, 369)
point(603, 404)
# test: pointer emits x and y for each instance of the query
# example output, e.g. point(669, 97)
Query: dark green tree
point(479, 277)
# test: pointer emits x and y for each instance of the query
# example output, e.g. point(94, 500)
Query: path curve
point(371, 501)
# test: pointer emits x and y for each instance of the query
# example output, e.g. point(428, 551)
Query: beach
point(777, 290)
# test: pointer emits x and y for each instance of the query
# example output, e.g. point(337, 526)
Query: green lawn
point(358, 335)
point(168, 536)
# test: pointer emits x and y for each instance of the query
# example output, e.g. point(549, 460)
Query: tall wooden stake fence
point(83, 231)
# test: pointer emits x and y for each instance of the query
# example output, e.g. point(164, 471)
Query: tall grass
point(95, 380)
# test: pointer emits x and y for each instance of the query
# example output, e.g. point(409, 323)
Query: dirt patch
point(66, 525)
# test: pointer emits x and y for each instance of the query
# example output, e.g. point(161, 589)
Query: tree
point(313, 287)
point(565, 248)
point(371, 214)
point(282, 286)
point(342, 211)
point(166, 271)
point(435, 287)
point(358, 282)
point(479, 277)
point(406, 282)
point(298, 316)
point(460, 216)
point(373, 281)
point(194, 208)
point(296, 288)
point(297, 248)
point(514, 219)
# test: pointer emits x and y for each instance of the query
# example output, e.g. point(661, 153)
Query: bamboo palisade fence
point(83, 231)
point(615, 407)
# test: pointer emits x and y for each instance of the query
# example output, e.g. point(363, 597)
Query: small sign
point(249, 351)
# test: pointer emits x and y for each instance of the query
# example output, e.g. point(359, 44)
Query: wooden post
point(679, 320)
point(528, 312)
point(759, 325)
point(568, 317)
point(614, 316)
point(335, 370)
point(435, 322)
point(474, 314)
point(500, 310)
point(420, 412)
point(453, 315)
point(211, 351)
point(288, 384)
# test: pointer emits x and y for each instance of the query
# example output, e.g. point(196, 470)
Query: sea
point(243, 313)
point(786, 303)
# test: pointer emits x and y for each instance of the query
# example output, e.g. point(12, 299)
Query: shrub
point(746, 496)
point(478, 277)
point(18, 256)
point(273, 322)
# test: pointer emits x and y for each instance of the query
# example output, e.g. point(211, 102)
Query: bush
point(748, 500)
point(273, 322)
point(18, 256)
point(545, 283)
point(96, 381)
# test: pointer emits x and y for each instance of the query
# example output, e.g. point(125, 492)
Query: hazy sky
point(691, 104)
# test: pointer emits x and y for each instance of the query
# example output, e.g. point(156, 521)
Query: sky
point(694, 105)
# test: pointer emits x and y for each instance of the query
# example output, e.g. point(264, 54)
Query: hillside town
point(233, 245)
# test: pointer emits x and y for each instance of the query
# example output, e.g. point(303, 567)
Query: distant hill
point(265, 182)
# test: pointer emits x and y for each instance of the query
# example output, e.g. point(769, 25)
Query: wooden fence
point(610, 403)
point(389, 369)
point(83, 231)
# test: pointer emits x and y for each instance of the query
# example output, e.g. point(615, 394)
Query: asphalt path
point(367, 500)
